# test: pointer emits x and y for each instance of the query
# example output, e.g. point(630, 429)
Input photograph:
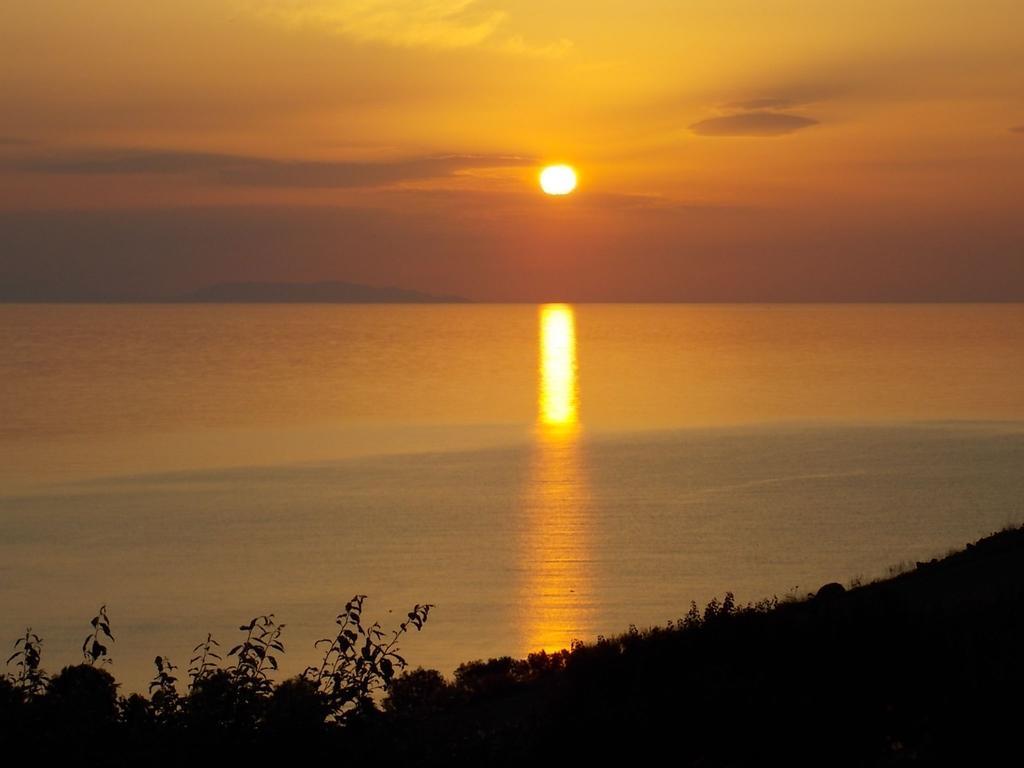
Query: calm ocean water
point(539, 473)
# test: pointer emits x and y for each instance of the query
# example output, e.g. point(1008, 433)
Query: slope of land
point(924, 668)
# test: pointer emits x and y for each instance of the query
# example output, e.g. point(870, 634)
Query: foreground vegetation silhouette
point(925, 667)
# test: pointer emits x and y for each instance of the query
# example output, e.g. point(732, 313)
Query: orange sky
point(728, 150)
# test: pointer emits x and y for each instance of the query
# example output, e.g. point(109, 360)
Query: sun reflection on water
point(557, 592)
point(557, 399)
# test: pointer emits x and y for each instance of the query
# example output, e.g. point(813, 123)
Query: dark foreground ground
point(923, 668)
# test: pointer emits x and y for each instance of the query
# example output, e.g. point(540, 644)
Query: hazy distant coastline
point(326, 292)
point(332, 292)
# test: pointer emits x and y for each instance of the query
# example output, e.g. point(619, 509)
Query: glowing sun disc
point(558, 180)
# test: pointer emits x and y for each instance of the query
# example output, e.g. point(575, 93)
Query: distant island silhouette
point(324, 292)
point(330, 292)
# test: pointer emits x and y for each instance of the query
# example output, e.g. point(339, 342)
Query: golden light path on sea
point(557, 386)
point(556, 598)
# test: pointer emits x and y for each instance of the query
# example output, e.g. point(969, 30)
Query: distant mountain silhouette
point(333, 292)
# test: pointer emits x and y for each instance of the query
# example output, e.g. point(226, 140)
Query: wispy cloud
point(409, 23)
point(786, 94)
point(15, 141)
point(259, 171)
point(761, 103)
point(1017, 129)
point(758, 123)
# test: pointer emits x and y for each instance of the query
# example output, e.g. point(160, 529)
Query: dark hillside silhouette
point(924, 668)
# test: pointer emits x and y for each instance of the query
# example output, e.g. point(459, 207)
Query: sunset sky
point(726, 149)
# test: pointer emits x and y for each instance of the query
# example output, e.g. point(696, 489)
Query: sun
point(558, 179)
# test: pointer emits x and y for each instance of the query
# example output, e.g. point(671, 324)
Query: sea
point(539, 475)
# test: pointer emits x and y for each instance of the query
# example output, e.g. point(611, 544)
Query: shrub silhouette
point(82, 699)
point(255, 655)
point(235, 706)
point(30, 679)
point(360, 662)
point(165, 703)
point(205, 660)
point(418, 691)
point(93, 649)
point(297, 709)
point(217, 702)
point(922, 668)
